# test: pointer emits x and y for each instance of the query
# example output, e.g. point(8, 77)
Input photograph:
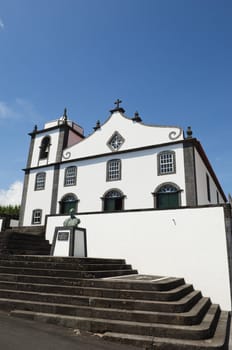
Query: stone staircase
point(24, 240)
point(107, 297)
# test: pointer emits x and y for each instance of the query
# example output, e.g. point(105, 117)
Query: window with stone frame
point(166, 163)
point(167, 197)
point(36, 216)
point(40, 181)
point(115, 142)
point(68, 202)
point(70, 177)
point(113, 200)
point(113, 170)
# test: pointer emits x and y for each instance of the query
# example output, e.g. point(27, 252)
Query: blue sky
point(168, 59)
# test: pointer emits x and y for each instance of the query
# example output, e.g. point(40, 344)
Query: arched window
point(166, 163)
point(36, 216)
point(167, 196)
point(40, 181)
point(69, 201)
point(70, 176)
point(113, 171)
point(113, 200)
point(44, 147)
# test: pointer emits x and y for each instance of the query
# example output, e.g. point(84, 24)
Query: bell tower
point(45, 155)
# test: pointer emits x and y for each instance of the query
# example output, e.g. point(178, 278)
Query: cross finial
point(117, 108)
point(117, 103)
point(98, 125)
point(137, 117)
point(189, 132)
point(64, 116)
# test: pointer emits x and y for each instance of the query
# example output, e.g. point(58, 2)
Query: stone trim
point(24, 196)
point(55, 188)
point(31, 150)
point(190, 174)
point(228, 228)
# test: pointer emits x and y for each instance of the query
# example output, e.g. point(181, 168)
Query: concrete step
point(25, 243)
point(63, 266)
point(60, 259)
point(107, 296)
point(168, 285)
point(204, 330)
point(219, 341)
point(31, 230)
point(180, 306)
point(82, 307)
point(65, 273)
point(22, 242)
point(22, 237)
point(174, 294)
point(42, 251)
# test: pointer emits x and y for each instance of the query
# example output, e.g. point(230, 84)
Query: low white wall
point(1, 224)
point(189, 243)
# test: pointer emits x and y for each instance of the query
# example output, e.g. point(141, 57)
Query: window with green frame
point(68, 202)
point(113, 201)
point(167, 197)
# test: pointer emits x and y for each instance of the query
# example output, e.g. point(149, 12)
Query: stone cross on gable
point(117, 108)
point(117, 103)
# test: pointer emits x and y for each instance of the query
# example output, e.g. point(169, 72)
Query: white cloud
point(1, 24)
point(13, 195)
point(20, 108)
point(5, 110)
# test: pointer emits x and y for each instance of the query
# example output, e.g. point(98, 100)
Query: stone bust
point(72, 221)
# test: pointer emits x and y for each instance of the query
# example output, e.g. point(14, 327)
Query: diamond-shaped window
point(115, 142)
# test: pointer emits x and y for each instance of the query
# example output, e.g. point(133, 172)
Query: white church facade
point(123, 165)
point(144, 193)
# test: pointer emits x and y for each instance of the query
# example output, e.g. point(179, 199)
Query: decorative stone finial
point(117, 108)
point(65, 117)
point(98, 125)
point(137, 117)
point(189, 132)
point(35, 129)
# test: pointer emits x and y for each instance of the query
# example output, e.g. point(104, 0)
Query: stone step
point(192, 317)
point(13, 244)
point(11, 251)
point(24, 247)
point(31, 230)
point(22, 237)
point(65, 273)
point(174, 294)
point(168, 285)
point(205, 329)
point(219, 341)
point(64, 266)
point(60, 259)
point(183, 305)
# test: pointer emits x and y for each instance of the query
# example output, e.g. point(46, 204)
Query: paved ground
point(16, 333)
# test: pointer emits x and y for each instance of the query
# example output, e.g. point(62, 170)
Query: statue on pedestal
point(72, 221)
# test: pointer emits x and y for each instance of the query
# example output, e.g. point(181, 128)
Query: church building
point(144, 193)
point(124, 164)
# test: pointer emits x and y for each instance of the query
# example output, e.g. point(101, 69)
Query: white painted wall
point(189, 243)
point(201, 172)
point(54, 135)
point(1, 224)
point(139, 179)
point(38, 199)
point(134, 134)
